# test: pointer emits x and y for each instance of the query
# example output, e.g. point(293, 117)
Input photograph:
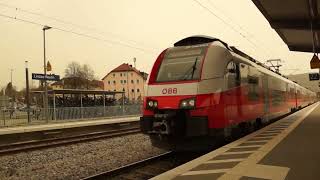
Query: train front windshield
point(180, 64)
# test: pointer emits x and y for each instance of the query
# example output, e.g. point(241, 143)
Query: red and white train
point(201, 89)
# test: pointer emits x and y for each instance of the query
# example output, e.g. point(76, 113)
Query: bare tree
point(87, 74)
point(73, 70)
point(79, 76)
point(2, 92)
point(10, 91)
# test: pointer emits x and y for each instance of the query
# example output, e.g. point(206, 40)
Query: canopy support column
point(81, 105)
point(104, 104)
point(54, 106)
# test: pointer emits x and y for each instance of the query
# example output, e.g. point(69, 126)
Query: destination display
point(49, 77)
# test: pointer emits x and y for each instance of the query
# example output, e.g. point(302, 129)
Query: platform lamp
point(45, 72)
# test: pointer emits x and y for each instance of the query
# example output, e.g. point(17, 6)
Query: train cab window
point(181, 64)
point(232, 75)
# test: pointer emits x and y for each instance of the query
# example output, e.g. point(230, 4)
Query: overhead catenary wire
point(67, 22)
point(241, 27)
point(226, 23)
point(77, 33)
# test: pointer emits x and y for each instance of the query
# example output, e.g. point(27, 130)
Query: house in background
point(57, 85)
point(77, 83)
point(127, 79)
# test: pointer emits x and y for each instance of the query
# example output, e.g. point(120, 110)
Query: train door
point(232, 82)
point(265, 89)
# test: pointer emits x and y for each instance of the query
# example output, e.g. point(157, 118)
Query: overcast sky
point(115, 31)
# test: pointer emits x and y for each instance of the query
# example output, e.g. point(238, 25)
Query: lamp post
point(27, 91)
point(45, 72)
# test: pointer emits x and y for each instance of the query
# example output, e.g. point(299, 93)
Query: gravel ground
point(78, 160)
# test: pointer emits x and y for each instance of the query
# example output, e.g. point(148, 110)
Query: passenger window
point(244, 73)
point(253, 85)
point(232, 75)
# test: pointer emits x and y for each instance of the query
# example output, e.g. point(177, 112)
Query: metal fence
point(11, 117)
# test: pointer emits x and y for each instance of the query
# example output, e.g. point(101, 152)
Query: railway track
point(53, 142)
point(147, 168)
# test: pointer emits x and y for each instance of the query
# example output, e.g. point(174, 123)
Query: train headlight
point(151, 104)
point(192, 102)
point(188, 103)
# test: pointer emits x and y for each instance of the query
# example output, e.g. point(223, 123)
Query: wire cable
point(241, 27)
point(226, 23)
point(76, 33)
point(68, 23)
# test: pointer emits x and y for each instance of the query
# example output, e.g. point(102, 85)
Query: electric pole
point(11, 70)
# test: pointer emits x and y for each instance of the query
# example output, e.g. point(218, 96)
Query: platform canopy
point(296, 22)
point(77, 91)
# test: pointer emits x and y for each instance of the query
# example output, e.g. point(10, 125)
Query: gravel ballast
point(79, 160)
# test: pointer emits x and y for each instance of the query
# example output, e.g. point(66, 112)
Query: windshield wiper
point(193, 68)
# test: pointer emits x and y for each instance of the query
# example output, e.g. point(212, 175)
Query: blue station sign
point(49, 77)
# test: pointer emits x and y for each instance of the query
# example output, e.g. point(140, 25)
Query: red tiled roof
point(126, 67)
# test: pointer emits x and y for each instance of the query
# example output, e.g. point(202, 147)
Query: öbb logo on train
point(169, 91)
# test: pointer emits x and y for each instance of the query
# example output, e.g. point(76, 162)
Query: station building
point(128, 79)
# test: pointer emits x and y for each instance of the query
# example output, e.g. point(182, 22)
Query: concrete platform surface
point(72, 124)
point(287, 149)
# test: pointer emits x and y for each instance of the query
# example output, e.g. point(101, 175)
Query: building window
point(132, 90)
point(114, 90)
point(124, 74)
point(114, 75)
point(121, 81)
point(114, 82)
point(137, 81)
point(120, 74)
point(132, 81)
point(138, 90)
point(123, 89)
point(108, 82)
point(124, 81)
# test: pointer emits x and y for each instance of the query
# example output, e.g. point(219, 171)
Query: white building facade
point(127, 79)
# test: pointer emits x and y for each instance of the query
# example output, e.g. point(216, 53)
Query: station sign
point(314, 76)
point(49, 77)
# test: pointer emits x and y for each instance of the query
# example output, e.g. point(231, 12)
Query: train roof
point(198, 39)
point(264, 68)
point(202, 39)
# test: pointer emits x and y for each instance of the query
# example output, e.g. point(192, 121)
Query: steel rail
point(52, 142)
point(129, 167)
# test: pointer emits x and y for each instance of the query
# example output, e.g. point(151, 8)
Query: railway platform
point(286, 149)
point(66, 125)
point(21, 134)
